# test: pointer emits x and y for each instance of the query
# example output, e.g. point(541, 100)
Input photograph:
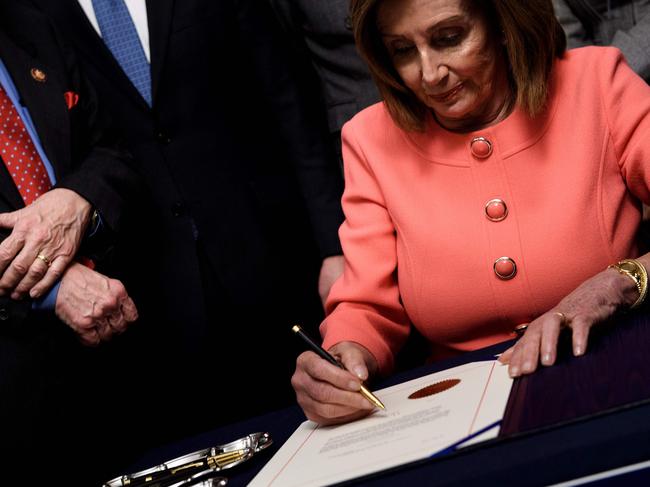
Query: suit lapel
point(71, 17)
point(44, 100)
point(159, 14)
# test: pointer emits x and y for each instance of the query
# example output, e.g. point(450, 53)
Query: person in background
point(341, 86)
point(240, 211)
point(64, 188)
point(624, 24)
point(469, 212)
point(322, 33)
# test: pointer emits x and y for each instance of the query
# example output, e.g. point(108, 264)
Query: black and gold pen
point(199, 467)
point(327, 356)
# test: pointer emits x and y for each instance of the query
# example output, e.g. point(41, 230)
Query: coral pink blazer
point(420, 248)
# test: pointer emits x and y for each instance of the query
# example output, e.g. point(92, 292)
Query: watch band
point(638, 273)
point(94, 219)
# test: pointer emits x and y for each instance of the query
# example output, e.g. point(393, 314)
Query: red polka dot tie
point(19, 153)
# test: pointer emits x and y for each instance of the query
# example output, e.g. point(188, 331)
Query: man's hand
point(330, 271)
point(93, 305)
point(45, 237)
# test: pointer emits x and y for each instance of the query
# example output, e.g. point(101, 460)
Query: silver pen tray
point(217, 458)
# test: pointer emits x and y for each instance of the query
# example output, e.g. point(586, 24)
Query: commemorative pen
point(327, 356)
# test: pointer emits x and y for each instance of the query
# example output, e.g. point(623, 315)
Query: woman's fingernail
point(360, 372)
point(577, 350)
point(514, 371)
point(546, 359)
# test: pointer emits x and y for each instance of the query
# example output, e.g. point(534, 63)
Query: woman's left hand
point(594, 301)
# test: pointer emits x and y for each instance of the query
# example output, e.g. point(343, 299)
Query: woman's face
point(446, 56)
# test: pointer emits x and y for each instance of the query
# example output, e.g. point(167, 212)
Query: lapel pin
point(38, 75)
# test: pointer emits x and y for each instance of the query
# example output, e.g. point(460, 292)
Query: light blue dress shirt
point(49, 300)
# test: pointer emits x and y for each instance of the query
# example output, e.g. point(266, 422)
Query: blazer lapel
point(71, 16)
point(159, 14)
point(44, 100)
point(8, 190)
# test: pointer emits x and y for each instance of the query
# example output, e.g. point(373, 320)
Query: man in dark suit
point(242, 205)
point(322, 34)
point(57, 165)
point(624, 24)
point(323, 31)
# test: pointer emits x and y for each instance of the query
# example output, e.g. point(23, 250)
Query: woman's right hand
point(329, 394)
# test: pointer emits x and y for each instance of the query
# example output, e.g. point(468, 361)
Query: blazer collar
point(508, 137)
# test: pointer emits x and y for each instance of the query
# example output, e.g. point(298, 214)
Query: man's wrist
point(48, 301)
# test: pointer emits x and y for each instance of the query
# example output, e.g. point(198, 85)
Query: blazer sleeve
point(12, 312)
point(364, 305)
point(300, 122)
point(626, 99)
point(100, 169)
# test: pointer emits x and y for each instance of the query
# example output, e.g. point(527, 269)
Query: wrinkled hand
point(594, 301)
point(52, 227)
point(328, 394)
point(93, 305)
point(330, 271)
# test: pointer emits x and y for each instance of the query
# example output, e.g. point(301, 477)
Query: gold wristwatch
point(637, 272)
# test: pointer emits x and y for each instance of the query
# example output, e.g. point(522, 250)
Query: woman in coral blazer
point(492, 188)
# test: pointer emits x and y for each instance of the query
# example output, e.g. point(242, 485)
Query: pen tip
point(296, 328)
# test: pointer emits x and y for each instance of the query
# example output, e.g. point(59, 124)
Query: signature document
point(423, 417)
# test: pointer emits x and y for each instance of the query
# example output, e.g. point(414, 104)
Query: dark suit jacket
point(324, 31)
point(242, 197)
point(42, 365)
point(77, 142)
point(624, 24)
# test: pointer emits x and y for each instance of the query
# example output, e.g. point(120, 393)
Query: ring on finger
point(44, 259)
point(521, 329)
point(563, 319)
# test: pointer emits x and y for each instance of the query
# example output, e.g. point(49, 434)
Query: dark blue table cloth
point(582, 416)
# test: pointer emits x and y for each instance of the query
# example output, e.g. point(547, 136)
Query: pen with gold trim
point(327, 356)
